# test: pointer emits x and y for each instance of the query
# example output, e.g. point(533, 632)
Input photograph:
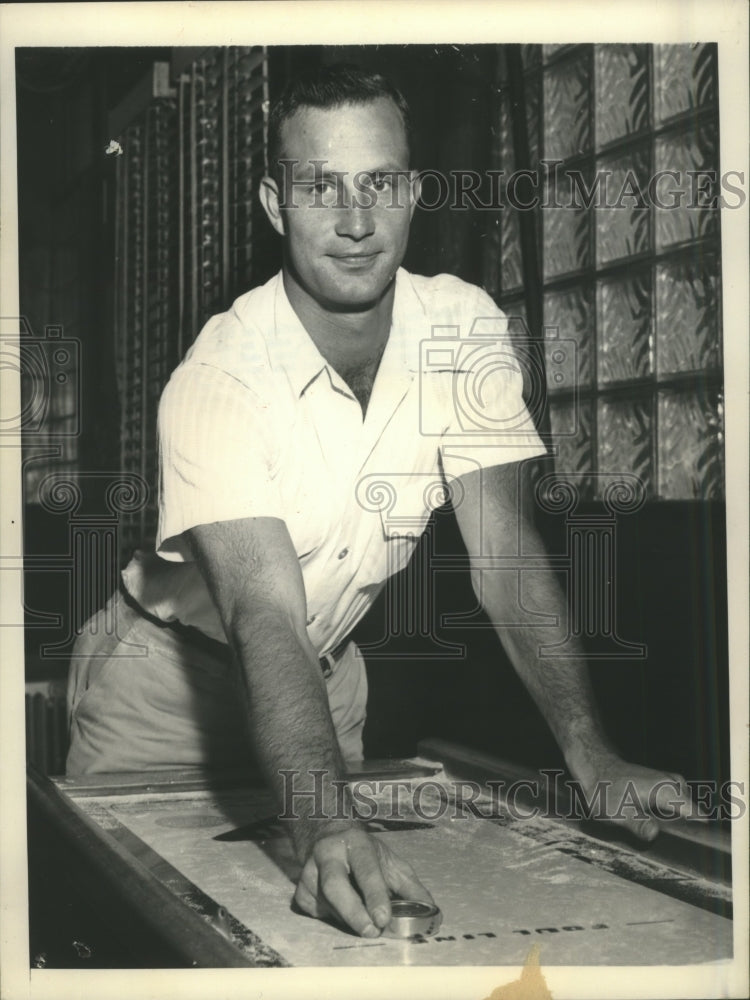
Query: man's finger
point(311, 904)
point(689, 807)
point(344, 900)
point(645, 829)
point(672, 800)
point(309, 877)
point(402, 879)
point(365, 867)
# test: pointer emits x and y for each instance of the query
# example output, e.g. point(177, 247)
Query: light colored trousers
point(142, 696)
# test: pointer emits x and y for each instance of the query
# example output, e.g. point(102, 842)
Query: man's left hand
point(634, 797)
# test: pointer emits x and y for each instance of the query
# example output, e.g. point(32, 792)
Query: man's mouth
point(357, 259)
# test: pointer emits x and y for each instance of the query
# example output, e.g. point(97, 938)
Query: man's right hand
point(350, 875)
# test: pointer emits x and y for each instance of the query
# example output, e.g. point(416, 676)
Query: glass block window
point(623, 141)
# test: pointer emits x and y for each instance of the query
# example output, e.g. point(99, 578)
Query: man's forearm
point(289, 717)
point(494, 522)
point(560, 686)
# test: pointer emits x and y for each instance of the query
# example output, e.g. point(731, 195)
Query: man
point(297, 441)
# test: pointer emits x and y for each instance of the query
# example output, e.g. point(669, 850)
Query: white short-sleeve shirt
point(254, 423)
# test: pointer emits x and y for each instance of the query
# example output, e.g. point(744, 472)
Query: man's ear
point(415, 189)
point(269, 199)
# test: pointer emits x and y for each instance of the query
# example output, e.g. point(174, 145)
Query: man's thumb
point(645, 829)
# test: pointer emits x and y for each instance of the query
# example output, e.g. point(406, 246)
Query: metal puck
point(409, 917)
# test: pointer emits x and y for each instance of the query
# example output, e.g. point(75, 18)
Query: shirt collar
point(303, 362)
point(300, 358)
point(408, 325)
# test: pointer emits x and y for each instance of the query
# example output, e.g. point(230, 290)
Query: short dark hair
point(331, 87)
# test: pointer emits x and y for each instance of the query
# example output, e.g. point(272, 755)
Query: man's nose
point(354, 220)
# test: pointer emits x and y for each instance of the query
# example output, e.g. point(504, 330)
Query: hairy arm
point(493, 523)
point(253, 575)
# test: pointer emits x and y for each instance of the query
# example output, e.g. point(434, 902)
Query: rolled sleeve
point(487, 421)
point(215, 457)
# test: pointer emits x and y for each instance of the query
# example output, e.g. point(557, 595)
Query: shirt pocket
point(403, 503)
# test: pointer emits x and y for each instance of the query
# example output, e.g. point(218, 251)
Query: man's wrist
point(308, 831)
point(321, 808)
point(588, 755)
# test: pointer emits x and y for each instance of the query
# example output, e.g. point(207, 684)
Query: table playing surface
point(502, 882)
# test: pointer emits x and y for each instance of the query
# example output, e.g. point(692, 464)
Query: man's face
point(343, 210)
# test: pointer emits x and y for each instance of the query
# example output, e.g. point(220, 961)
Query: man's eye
point(321, 187)
point(381, 182)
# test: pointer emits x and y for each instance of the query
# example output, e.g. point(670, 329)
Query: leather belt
point(331, 658)
point(220, 650)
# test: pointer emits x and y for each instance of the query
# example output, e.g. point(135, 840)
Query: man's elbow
point(496, 591)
